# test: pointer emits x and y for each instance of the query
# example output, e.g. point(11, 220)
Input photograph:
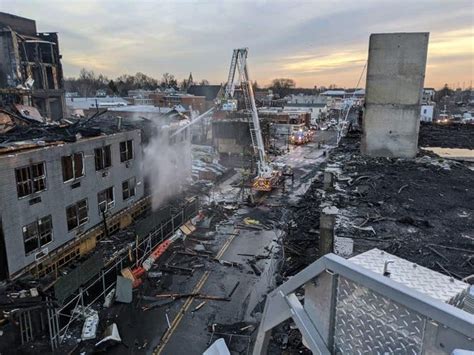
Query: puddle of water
point(453, 153)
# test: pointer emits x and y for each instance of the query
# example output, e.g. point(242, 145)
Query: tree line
point(88, 83)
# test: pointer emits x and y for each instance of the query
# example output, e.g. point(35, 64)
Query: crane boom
point(239, 64)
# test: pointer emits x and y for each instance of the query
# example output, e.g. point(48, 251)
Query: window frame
point(108, 204)
point(38, 234)
point(128, 181)
point(76, 210)
point(127, 152)
point(105, 152)
point(72, 156)
point(31, 183)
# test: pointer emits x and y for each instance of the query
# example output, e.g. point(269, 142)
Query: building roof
point(147, 109)
point(358, 92)
point(209, 91)
point(18, 24)
point(305, 104)
point(333, 93)
point(90, 102)
point(31, 134)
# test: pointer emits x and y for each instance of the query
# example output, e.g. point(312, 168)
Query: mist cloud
point(166, 166)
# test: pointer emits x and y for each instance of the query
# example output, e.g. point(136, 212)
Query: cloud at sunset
point(314, 42)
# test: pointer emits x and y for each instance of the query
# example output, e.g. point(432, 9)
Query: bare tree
point(168, 81)
point(282, 86)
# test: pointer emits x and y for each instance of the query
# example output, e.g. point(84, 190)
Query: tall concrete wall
point(395, 77)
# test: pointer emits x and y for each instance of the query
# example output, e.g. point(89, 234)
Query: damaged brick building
point(30, 67)
point(52, 194)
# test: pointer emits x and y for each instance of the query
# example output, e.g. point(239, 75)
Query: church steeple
point(190, 80)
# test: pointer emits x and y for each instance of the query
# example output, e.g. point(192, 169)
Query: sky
point(318, 43)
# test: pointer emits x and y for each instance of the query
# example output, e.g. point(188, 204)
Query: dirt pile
point(446, 136)
point(419, 209)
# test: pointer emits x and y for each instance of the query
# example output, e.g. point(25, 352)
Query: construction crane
point(267, 177)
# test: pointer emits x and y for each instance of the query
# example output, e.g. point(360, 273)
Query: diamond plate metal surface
point(422, 279)
point(368, 323)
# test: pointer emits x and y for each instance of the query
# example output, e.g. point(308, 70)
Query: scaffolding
point(61, 318)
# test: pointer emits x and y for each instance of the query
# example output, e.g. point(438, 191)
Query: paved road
point(187, 332)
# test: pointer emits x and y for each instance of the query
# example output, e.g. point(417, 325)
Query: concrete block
point(393, 131)
point(328, 180)
point(395, 78)
point(327, 222)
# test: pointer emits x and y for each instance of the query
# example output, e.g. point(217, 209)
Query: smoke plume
point(166, 164)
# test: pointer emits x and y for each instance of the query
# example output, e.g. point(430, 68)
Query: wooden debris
point(199, 306)
point(234, 288)
point(403, 187)
point(195, 295)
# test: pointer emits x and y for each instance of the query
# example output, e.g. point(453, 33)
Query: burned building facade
point(50, 196)
point(30, 67)
point(232, 141)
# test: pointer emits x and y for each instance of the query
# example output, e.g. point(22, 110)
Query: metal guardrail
point(348, 308)
point(63, 317)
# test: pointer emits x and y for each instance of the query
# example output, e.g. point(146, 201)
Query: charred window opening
point(128, 188)
point(105, 200)
point(76, 214)
point(50, 78)
point(126, 150)
point(73, 166)
point(46, 52)
point(31, 52)
point(30, 179)
point(37, 234)
point(103, 158)
point(37, 77)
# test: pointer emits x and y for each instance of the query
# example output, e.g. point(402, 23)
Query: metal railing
point(349, 309)
point(62, 317)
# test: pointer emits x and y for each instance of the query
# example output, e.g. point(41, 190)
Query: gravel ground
point(447, 136)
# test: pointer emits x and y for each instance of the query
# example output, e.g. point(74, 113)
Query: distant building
point(101, 93)
point(340, 99)
point(301, 99)
point(316, 105)
point(210, 93)
point(285, 121)
point(89, 103)
point(140, 93)
point(264, 97)
point(334, 93)
point(428, 95)
point(147, 111)
point(30, 67)
point(426, 113)
point(140, 97)
point(190, 102)
point(355, 93)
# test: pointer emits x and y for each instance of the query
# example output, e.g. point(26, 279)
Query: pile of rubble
point(420, 209)
point(447, 136)
point(301, 241)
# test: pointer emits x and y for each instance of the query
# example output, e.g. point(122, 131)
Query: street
point(235, 247)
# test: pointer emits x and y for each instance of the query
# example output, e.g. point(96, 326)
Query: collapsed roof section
point(22, 127)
